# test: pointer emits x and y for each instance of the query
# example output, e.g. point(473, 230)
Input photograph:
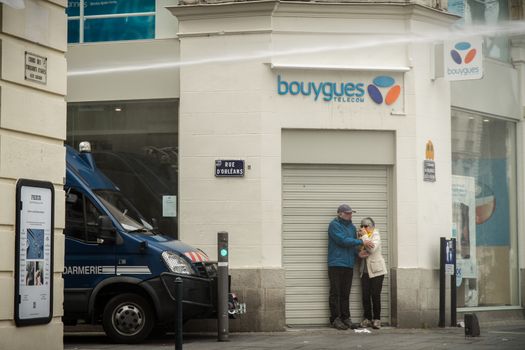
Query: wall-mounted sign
point(429, 171)
point(429, 166)
point(169, 206)
point(463, 59)
point(380, 89)
point(36, 68)
point(34, 252)
point(229, 168)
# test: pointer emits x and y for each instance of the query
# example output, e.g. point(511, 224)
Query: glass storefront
point(484, 209)
point(135, 143)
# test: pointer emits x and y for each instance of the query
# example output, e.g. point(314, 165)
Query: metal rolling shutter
point(311, 194)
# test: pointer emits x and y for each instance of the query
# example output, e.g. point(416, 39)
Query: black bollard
point(222, 286)
point(178, 313)
point(453, 291)
point(442, 281)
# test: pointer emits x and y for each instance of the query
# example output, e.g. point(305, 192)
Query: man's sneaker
point(350, 325)
point(338, 324)
point(376, 324)
point(365, 323)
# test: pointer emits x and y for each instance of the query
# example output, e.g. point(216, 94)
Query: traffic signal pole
point(222, 286)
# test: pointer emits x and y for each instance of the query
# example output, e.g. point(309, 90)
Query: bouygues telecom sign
point(463, 59)
point(383, 89)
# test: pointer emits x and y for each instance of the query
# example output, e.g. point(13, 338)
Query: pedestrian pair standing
point(344, 244)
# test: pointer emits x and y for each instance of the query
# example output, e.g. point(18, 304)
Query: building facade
point(32, 134)
point(324, 102)
point(301, 115)
point(297, 91)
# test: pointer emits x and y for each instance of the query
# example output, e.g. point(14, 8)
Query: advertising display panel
point(34, 252)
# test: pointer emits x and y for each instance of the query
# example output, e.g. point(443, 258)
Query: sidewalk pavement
point(501, 335)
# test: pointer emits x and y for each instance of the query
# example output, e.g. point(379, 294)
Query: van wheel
point(128, 318)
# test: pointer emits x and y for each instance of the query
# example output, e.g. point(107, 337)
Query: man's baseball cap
point(345, 208)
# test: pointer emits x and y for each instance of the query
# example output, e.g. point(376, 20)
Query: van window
point(81, 217)
point(122, 210)
point(141, 161)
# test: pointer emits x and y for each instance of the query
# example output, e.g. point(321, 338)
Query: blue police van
point(116, 263)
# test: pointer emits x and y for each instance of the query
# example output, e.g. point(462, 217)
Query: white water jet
point(511, 28)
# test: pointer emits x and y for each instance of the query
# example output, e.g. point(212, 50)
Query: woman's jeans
point(371, 290)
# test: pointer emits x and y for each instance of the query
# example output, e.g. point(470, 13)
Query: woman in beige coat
point(373, 271)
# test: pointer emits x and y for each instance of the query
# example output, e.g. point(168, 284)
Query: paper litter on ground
point(364, 330)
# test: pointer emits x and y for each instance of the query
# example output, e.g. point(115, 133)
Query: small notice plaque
point(36, 68)
point(429, 171)
point(229, 168)
point(169, 206)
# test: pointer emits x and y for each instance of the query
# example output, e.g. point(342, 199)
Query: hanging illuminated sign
point(463, 59)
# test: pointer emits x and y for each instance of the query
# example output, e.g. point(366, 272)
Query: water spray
point(511, 28)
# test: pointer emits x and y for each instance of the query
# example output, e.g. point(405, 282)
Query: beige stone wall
point(32, 131)
point(438, 4)
point(263, 291)
point(415, 298)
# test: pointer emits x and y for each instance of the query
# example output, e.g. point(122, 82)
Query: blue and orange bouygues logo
point(459, 49)
point(384, 81)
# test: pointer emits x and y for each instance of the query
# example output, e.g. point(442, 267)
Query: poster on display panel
point(464, 230)
point(34, 252)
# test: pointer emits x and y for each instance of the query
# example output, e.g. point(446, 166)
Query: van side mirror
point(155, 224)
point(106, 231)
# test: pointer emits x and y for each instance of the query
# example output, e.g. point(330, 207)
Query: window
point(110, 20)
point(81, 217)
point(134, 143)
point(485, 209)
point(489, 13)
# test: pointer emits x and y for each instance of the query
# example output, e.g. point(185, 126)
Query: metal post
point(442, 281)
point(178, 313)
point(453, 302)
point(222, 286)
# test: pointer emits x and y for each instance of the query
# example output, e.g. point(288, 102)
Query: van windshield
point(122, 209)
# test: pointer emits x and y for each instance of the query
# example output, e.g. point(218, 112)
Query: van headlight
point(176, 263)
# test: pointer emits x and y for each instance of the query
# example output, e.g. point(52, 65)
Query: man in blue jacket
point(342, 252)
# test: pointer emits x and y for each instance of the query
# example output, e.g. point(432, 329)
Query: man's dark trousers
point(340, 285)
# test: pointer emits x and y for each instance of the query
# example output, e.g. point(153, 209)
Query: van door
point(133, 257)
point(88, 260)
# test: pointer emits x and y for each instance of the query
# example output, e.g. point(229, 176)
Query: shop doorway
point(311, 194)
